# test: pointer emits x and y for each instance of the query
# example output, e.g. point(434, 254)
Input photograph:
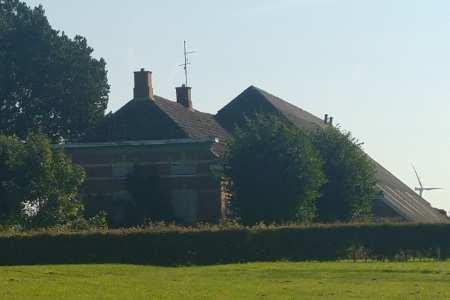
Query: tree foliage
point(48, 81)
point(38, 185)
point(350, 187)
point(273, 171)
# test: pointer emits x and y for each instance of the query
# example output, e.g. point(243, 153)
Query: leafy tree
point(149, 201)
point(11, 153)
point(48, 81)
point(38, 185)
point(350, 188)
point(273, 171)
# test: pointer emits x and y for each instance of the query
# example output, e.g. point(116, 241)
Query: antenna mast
point(186, 63)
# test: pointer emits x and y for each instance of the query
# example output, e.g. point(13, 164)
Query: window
point(121, 170)
point(182, 169)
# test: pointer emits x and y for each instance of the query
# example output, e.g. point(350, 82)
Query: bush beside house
point(279, 173)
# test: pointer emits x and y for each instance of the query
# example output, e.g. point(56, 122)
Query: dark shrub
point(273, 171)
point(350, 187)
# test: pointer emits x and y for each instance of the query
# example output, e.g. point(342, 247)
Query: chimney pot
point(331, 121)
point(326, 119)
point(184, 96)
point(143, 87)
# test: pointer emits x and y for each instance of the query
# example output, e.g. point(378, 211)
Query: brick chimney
point(184, 96)
point(143, 84)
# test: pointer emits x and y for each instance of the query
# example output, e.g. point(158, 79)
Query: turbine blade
point(417, 175)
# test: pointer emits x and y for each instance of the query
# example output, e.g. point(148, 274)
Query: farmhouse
point(182, 146)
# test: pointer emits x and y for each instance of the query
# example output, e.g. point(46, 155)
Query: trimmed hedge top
point(173, 245)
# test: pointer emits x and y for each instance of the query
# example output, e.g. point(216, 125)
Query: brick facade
point(184, 166)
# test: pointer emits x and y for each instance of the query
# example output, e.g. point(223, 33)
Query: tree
point(273, 171)
point(38, 185)
point(149, 201)
point(11, 153)
point(48, 81)
point(350, 188)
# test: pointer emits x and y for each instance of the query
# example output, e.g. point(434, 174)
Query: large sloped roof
point(255, 100)
point(396, 195)
point(404, 200)
point(296, 115)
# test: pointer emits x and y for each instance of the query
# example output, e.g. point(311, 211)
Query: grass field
point(281, 280)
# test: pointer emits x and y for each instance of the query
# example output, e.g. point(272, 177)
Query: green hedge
point(216, 245)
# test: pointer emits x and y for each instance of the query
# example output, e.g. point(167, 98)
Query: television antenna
point(421, 188)
point(186, 63)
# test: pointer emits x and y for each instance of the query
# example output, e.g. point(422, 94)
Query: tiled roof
point(194, 123)
point(404, 200)
point(254, 100)
point(296, 115)
point(157, 118)
point(396, 195)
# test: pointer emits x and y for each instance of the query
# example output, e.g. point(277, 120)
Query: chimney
point(143, 84)
point(184, 96)
point(331, 121)
point(326, 119)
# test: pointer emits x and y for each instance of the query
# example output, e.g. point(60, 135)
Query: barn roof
point(396, 195)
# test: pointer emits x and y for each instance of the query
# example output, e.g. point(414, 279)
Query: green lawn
point(282, 280)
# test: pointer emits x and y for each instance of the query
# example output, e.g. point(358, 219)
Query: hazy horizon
point(380, 68)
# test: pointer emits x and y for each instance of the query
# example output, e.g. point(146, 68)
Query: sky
point(380, 68)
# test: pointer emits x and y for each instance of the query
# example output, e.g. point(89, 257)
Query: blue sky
point(381, 68)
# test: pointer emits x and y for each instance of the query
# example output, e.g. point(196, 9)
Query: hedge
point(215, 245)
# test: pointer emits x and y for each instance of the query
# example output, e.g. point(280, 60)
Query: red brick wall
point(100, 165)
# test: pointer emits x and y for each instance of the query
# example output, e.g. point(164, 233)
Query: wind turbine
point(421, 188)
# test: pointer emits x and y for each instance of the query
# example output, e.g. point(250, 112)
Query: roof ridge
point(236, 98)
point(260, 90)
point(273, 99)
